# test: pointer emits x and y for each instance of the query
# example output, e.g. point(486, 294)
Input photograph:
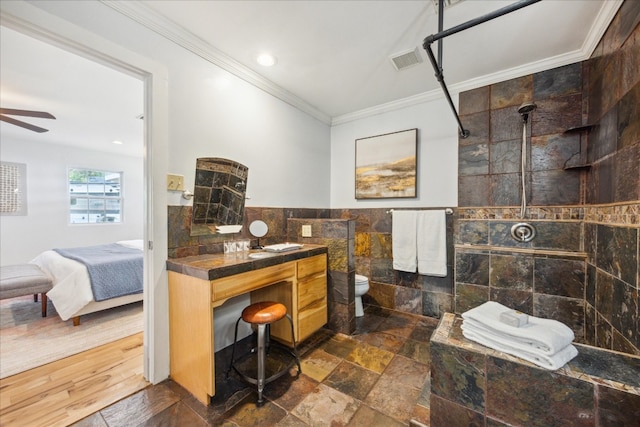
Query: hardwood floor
point(65, 391)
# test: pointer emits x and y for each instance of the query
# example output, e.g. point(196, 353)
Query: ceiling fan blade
point(22, 124)
point(28, 113)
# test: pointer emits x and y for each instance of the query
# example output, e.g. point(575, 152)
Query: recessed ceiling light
point(116, 142)
point(266, 59)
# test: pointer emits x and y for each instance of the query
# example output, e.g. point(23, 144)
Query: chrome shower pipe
point(524, 111)
point(523, 169)
point(437, 65)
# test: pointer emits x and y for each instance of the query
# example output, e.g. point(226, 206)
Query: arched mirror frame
point(219, 194)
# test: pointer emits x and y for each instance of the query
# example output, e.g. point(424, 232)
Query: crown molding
point(398, 104)
point(170, 30)
point(601, 23)
point(605, 16)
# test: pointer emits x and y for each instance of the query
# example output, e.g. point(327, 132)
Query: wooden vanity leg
point(76, 321)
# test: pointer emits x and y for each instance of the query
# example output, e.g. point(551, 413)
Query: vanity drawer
point(313, 265)
point(242, 283)
point(311, 319)
point(311, 291)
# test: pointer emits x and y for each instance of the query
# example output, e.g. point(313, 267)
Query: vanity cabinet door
point(311, 296)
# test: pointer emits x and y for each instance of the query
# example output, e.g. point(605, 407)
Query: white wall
point(294, 160)
point(287, 151)
point(46, 224)
point(219, 115)
point(215, 114)
point(437, 180)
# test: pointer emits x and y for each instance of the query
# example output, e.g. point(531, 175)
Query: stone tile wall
point(339, 236)
point(286, 225)
point(371, 254)
point(396, 290)
point(584, 187)
point(612, 302)
point(473, 385)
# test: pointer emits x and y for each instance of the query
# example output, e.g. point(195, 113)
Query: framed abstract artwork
point(386, 165)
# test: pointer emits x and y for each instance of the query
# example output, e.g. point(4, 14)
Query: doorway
point(94, 103)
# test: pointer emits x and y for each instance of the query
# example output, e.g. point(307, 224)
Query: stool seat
point(264, 312)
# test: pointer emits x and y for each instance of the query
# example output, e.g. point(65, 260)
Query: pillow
point(133, 244)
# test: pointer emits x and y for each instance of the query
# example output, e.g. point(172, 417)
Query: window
point(13, 188)
point(94, 196)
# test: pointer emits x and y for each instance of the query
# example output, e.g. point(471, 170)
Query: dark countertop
point(215, 266)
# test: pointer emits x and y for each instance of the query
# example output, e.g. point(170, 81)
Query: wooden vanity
point(199, 284)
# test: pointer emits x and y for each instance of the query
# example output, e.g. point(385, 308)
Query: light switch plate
point(306, 231)
point(175, 182)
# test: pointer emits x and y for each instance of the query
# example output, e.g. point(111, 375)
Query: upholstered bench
point(24, 279)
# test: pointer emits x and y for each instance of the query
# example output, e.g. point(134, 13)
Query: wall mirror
point(219, 194)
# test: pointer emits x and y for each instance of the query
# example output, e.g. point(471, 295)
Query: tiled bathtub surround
point(583, 178)
point(474, 385)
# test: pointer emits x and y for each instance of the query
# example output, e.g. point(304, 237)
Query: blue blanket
point(114, 270)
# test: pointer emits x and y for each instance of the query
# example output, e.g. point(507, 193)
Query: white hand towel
point(544, 335)
point(403, 234)
point(551, 362)
point(432, 243)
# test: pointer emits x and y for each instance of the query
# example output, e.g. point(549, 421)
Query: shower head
point(525, 109)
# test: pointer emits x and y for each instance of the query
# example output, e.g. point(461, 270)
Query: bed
point(72, 293)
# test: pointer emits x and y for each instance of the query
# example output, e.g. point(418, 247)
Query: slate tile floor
point(379, 376)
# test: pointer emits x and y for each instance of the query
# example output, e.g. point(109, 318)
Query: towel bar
point(448, 211)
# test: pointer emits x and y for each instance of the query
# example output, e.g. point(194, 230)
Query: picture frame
point(386, 165)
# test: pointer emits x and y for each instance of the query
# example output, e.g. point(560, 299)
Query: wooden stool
point(262, 314)
point(25, 279)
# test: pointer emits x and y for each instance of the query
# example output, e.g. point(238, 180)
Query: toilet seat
point(361, 280)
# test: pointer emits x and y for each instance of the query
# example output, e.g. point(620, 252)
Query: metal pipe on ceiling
point(437, 64)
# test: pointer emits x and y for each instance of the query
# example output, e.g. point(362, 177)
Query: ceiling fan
point(27, 113)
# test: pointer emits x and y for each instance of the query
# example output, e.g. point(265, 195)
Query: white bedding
point(71, 291)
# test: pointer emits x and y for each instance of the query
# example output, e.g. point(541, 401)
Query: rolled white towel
point(550, 362)
point(547, 336)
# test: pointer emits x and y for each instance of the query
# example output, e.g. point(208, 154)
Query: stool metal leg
point(261, 362)
point(260, 351)
point(233, 349)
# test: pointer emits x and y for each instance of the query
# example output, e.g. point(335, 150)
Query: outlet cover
point(306, 231)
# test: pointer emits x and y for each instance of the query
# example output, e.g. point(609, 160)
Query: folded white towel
point(551, 362)
point(403, 233)
point(432, 243)
point(544, 335)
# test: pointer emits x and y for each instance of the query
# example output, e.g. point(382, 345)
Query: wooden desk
point(299, 281)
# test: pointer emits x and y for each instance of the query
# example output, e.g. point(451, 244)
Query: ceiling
point(333, 57)
point(38, 76)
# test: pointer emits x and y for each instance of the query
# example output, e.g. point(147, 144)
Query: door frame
point(35, 22)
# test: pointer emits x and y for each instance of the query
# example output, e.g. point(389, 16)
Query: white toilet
point(362, 286)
